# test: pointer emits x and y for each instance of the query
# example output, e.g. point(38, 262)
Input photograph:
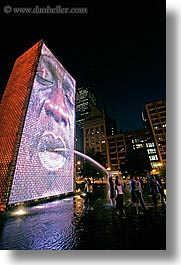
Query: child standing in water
point(119, 198)
point(88, 191)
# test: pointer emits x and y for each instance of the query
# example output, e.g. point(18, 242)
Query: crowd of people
point(119, 191)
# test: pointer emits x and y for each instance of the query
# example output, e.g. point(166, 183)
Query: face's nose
point(55, 107)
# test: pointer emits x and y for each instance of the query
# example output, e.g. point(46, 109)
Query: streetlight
point(159, 164)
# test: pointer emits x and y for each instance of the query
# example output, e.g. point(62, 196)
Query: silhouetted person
point(154, 191)
point(112, 193)
point(138, 191)
point(161, 190)
point(134, 199)
point(119, 198)
point(89, 192)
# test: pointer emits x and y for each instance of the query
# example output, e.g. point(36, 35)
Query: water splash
point(84, 156)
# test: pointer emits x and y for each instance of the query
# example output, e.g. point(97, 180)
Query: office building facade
point(85, 99)
point(141, 143)
point(154, 117)
point(116, 152)
point(98, 125)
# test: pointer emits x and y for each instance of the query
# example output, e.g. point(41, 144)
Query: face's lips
point(49, 142)
point(49, 157)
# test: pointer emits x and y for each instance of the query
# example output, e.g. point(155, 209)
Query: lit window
point(150, 145)
point(151, 151)
point(139, 146)
point(155, 157)
point(137, 140)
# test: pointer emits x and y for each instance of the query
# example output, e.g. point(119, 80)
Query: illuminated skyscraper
point(37, 128)
point(98, 125)
point(141, 149)
point(116, 152)
point(85, 100)
point(154, 117)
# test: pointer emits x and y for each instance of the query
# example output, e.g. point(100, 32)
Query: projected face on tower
point(54, 104)
point(44, 163)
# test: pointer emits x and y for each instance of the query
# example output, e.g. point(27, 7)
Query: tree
point(137, 162)
point(92, 170)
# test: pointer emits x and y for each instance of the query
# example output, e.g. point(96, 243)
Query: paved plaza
point(66, 225)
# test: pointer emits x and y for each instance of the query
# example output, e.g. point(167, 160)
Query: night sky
point(117, 50)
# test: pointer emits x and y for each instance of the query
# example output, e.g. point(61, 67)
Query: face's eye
point(43, 87)
point(44, 81)
point(69, 94)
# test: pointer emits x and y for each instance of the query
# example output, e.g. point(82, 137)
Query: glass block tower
point(37, 127)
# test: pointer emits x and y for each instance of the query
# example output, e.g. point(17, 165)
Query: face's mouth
point(47, 151)
point(51, 143)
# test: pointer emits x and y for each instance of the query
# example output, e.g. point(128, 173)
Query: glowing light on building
point(38, 114)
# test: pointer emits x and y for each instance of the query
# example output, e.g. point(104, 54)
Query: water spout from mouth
point(84, 156)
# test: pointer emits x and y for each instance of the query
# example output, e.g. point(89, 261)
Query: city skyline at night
point(118, 52)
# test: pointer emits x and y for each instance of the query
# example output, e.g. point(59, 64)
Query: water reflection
point(55, 225)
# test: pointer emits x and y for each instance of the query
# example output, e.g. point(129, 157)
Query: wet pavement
point(66, 225)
